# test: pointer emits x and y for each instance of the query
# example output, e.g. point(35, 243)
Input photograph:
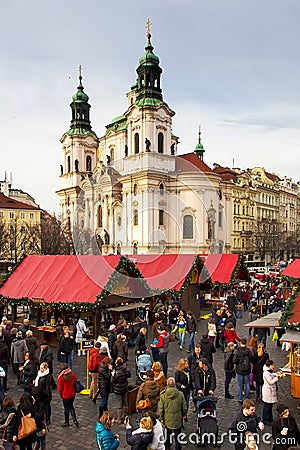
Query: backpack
point(246, 363)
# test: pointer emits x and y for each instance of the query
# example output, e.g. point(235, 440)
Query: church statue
point(61, 170)
point(107, 160)
point(148, 145)
point(126, 150)
point(76, 163)
point(173, 149)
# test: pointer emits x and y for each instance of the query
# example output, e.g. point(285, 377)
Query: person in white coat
point(269, 391)
point(81, 330)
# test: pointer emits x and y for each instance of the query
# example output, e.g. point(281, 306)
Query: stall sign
point(87, 344)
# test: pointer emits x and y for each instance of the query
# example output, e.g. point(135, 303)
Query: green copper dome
point(199, 149)
point(149, 58)
point(80, 96)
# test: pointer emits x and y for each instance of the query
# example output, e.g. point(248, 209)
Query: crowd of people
point(163, 399)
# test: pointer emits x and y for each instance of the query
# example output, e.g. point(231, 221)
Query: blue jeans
point(181, 336)
point(267, 412)
point(239, 314)
point(192, 339)
point(243, 380)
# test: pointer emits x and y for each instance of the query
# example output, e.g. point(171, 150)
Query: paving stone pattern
point(82, 438)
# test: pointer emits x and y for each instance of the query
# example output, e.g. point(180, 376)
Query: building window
point(188, 227)
point(160, 143)
point(22, 215)
point(11, 215)
point(135, 189)
point(100, 217)
point(1, 214)
point(220, 219)
point(135, 217)
point(119, 221)
point(161, 217)
point(161, 189)
point(31, 216)
point(136, 143)
point(135, 249)
point(88, 163)
point(69, 164)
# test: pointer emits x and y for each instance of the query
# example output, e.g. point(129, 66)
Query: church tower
point(79, 145)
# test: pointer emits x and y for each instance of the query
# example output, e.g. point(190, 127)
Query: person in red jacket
point(66, 388)
point(93, 367)
point(230, 334)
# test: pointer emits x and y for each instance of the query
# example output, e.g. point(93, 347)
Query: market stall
point(292, 367)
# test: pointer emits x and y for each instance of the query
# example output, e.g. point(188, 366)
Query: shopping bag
point(275, 336)
point(78, 386)
point(27, 426)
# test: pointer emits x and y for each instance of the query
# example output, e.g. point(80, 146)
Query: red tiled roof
point(225, 173)
point(190, 162)
point(10, 203)
point(272, 176)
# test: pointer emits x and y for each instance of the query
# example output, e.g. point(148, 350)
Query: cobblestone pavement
point(81, 438)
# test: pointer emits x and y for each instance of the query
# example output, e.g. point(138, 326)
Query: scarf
point(40, 375)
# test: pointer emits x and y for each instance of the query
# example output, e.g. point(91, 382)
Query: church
point(130, 188)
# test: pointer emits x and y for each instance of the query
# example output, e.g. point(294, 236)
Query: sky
point(230, 66)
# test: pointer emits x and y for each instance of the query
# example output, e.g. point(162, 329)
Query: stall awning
point(128, 307)
point(60, 278)
point(291, 336)
point(293, 269)
point(269, 321)
point(220, 267)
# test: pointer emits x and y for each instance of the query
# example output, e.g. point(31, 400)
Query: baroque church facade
point(130, 187)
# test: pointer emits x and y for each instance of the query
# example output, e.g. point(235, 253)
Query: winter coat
point(160, 378)
point(94, 360)
point(4, 355)
point(8, 429)
point(258, 365)
point(29, 373)
point(212, 329)
point(104, 380)
point(180, 326)
point(250, 423)
point(112, 337)
point(140, 345)
point(18, 348)
point(158, 434)
point(46, 355)
point(66, 344)
point(32, 409)
point(66, 386)
point(139, 439)
point(208, 348)
point(283, 442)
point(23, 328)
point(231, 319)
point(120, 349)
point(120, 379)
point(105, 438)
point(172, 407)
point(205, 380)
point(194, 363)
point(191, 325)
point(239, 358)
point(230, 335)
point(81, 330)
point(228, 359)
point(44, 383)
point(163, 342)
point(32, 345)
point(149, 389)
point(183, 381)
point(269, 394)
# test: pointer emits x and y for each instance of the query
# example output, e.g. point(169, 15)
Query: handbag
point(78, 386)
point(26, 427)
point(144, 404)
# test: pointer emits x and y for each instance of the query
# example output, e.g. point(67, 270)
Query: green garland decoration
point(288, 312)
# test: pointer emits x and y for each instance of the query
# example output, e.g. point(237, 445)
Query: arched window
point(100, 217)
point(135, 217)
point(161, 217)
point(69, 164)
point(112, 155)
point(135, 249)
point(161, 189)
point(188, 231)
point(88, 164)
point(135, 189)
point(136, 143)
point(160, 143)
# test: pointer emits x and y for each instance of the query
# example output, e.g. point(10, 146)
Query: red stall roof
point(220, 267)
point(293, 269)
point(164, 271)
point(295, 317)
point(60, 278)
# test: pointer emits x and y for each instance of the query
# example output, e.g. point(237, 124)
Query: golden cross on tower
point(148, 23)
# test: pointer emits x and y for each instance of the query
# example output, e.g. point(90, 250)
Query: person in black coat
point(44, 382)
point(4, 362)
point(259, 360)
point(205, 379)
point(183, 379)
point(228, 367)
point(140, 438)
point(26, 407)
point(104, 383)
point(29, 372)
point(208, 348)
point(7, 419)
point(140, 345)
point(285, 431)
point(46, 355)
point(120, 387)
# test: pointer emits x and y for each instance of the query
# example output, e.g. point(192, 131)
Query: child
point(212, 330)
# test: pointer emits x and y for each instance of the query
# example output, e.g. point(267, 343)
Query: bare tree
point(56, 237)
point(267, 239)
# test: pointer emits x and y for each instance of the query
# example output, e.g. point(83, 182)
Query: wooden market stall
point(292, 367)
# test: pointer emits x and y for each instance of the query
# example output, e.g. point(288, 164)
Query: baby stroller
point(143, 363)
point(207, 424)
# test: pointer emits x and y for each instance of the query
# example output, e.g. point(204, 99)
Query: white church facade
point(130, 187)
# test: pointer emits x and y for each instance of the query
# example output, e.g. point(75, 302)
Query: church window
point(135, 249)
point(161, 189)
point(100, 217)
point(160, 143)
point(69, 164)
point(135, 189)
point(135, 217)
point(88, 163)
point(161, 217)
point(136, 143)
point(188, 227)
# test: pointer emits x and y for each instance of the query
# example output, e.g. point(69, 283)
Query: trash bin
point(131, 399)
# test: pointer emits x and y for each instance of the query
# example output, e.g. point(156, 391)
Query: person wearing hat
point(285, 431)
point(112, 336)
point(93, 367)
point(18, 349)
point(46, 355)
point(25, 326)
point(229, 368)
